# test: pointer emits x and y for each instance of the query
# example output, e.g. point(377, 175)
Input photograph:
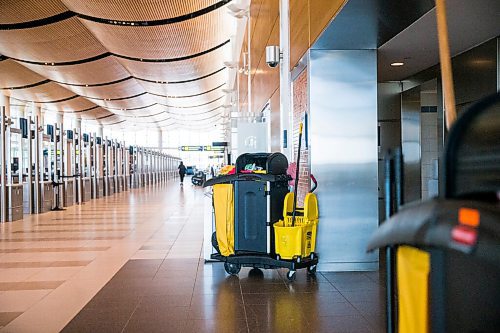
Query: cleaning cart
point(248, 205)
point(446, 270)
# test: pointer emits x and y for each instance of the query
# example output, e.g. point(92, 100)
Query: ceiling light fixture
point(238, 11)
point(397, 64)
point(231, 64)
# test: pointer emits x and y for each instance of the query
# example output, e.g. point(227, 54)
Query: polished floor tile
point(131, 262)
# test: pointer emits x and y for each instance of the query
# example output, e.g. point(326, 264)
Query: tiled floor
point(131, 263)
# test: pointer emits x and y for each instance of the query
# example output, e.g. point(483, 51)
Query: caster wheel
point(232, 269)
point(291, 275)
point(311, 269)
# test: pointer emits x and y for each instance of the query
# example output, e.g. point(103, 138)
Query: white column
point(24, 111)
point(160, 140)
point(5, 101)
point(285, 80)
point(37, 111)
point(59, 118)
point(100, 131)
point(78, 123)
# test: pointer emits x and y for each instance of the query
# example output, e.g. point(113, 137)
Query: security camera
point(273, 56)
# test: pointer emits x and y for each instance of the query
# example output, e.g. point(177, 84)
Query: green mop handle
point(296, 178)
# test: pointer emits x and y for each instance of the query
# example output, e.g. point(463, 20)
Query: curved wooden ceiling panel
point(133, 10)
point(50, 93)
point(98, 72)
point(69, 105)
point(185, 89)
point(63, 41)
point(128, 104)
point(190, 69)
point(119, 89)
point(145, 42)
point(189, 101)
point(19, 11)
point(15, 76)
point(118, 62)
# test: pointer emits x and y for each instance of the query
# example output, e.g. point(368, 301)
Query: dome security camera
point(273, 56)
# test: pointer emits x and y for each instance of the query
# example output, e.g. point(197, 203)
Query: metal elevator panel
point(250, 216)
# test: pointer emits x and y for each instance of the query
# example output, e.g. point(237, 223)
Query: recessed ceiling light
point(397, 64)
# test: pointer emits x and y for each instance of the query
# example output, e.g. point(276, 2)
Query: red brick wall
point(300, 107)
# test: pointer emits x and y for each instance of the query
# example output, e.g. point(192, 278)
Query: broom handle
point(296, 178)
point(445, 60)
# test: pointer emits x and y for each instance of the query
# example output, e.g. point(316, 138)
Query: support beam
point(5, 102)
point(100, 131)
point(285, 80)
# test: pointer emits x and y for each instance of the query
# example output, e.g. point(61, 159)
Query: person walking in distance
point(182, 172)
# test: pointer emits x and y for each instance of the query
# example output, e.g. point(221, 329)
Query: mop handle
point(296, 178)
point(445, 60)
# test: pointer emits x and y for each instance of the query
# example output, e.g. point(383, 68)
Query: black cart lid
point(471, 227)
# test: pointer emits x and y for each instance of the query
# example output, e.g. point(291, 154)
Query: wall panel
point(308, 18)
point(266, 79)
point(321, 12)
point(275, 122)
point(299, 30)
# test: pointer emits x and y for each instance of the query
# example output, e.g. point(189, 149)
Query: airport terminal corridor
point(132, 262)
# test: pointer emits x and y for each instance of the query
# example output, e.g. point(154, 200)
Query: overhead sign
point(219, 144)
point(191, 148)
point(201, 148)
point(212, 148)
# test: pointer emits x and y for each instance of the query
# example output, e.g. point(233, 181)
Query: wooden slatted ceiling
point(117, 90)
point(189, 101)
point(133, 10)
point(99, 71)
point(16, 11)
point(16, 75)
point(63, 41)
point(191, 37)
point(189, 88)
point(47, 92)
point(178, 70)
point(70, 40)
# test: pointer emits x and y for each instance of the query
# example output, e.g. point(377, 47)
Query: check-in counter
point(111, 185)
point(119, 184)
point(15, 202)
point(135, 180)
point(100, 187)
point(69, 193)
point(86, 189)
point(126, 184)
point(26, 198)
point(47, 196)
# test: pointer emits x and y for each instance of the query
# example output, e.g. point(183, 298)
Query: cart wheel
point(311, 269)
point(232, 269)
point(291, 275)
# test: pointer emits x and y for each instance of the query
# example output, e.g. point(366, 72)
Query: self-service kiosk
point(68, 174)
point(12, 184)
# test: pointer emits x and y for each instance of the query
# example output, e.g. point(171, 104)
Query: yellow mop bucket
point(299, 240)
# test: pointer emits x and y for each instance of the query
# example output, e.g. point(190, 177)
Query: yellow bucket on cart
point(299, 240)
